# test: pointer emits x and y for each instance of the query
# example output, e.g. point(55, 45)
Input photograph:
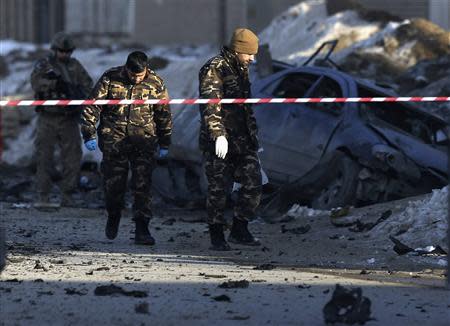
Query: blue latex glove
point(163, 152)
point(91, 145)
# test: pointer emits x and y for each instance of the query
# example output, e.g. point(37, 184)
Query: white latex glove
point(221, 146)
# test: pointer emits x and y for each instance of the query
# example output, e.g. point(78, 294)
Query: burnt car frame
point(326, 155)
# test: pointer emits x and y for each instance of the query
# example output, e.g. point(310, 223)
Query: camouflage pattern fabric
point(221, 173)
point(145, 125)
point(49, 74)
point(128, 136)
point(58, 125)
point(115, 167)
point(59, 130)
point(224, 77)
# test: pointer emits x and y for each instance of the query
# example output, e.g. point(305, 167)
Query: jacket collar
point(231, 57)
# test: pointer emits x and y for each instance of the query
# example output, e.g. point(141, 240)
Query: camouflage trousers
point(64, 131)
point(221, 173)
point(115, 167)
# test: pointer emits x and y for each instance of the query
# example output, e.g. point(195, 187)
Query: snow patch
point(422, 224)
point(297, 33)
point(7, 46)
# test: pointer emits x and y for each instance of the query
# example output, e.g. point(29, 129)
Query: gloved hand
point(221, 147)
point(91, 145)
point(163, 152)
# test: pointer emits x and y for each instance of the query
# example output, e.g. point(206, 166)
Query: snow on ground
point(422, 224)
point(7, 46)
point(297, 33)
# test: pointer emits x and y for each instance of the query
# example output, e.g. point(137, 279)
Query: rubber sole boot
point(218, 242)
point(112, 226)
point(142, 235)
point(43, 203)
point(241, 235)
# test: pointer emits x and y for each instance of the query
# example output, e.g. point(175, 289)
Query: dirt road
point(58, 263)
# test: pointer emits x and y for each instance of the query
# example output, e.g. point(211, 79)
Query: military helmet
point(62, 41)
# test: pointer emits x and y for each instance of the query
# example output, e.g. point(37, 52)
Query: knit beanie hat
point(244, 41)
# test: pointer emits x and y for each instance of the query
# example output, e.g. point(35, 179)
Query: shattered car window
point(325, 87)
point(300, 85)
point(403, 117)
point(294, 85)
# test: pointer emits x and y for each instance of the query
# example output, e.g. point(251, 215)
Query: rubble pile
point(422, 224)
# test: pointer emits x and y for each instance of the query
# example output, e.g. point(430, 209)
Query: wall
point(187, 22)
point(31, 21)
point(440, 13)
point(402, 8)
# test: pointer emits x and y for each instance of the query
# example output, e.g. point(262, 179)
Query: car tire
point(339, 188)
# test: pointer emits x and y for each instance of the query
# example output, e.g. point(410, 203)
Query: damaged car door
point(415, 145)
point(294, 136)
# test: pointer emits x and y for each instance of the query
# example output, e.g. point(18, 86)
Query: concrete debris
point(347, 306)
point(114, 290)
point(265, 267)
point(243, 284)
point(222, 298)
point(73, 291)
point(298, 230)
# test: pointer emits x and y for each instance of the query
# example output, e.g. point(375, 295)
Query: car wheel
point(340, 188)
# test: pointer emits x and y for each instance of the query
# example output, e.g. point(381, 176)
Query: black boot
point(112, 226)
point(142, 235)
point(218, 241)
point(241, 235)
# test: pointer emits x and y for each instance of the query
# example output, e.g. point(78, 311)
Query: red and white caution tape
point(222, 101)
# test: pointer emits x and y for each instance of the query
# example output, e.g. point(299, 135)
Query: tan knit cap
point(244, 41)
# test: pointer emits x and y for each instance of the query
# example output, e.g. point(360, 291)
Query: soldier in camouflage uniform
point(228, 139)
point(59, 76)
point(129, 136)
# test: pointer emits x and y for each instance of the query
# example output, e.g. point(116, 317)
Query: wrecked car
point(326, 155)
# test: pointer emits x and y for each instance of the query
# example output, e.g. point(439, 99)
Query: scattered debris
point(361, 227)
point(73, 291)
point(106, 290)
point(399, 247)
point(303, 286)
point(430, 250)
point(243, 284)
point(239, 318)
point(222, 298)
point(265, 267)
point(298, 230)
point(340, 211)
point(298, 211)
point(142, 308)
point(347, 306)
point(38, 265)
point(212, 275)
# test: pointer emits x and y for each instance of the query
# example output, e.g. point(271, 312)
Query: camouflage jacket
point(146, 125)
point(52, 80)
point(224, 77)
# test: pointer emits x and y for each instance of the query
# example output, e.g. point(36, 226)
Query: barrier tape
point(223, 101)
